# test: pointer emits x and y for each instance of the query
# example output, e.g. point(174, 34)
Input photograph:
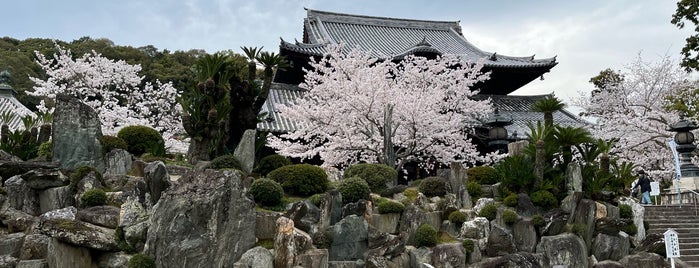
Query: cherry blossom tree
point(362, 109)
point(635, 106)
point(113, 89)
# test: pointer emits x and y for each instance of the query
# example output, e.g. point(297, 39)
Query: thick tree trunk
point(44, 133)
point(389, 154)
point(198, 151)
point(604, 163)
point(539, 164)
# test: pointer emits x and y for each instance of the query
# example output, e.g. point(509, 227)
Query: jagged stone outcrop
point(22, 197)
point(43, 178)
point(79, 234)
point(117, 162)
point(105, 216)
point(76, 134)
point(610, 247)
point(500, 241)
point(55, 198)
point(384, 244)
point(257, 257)
point(449, 255)
point(35, 246)
point(289, 243)
point(64, 255)
point(157, 180)
point(350, 239)
point(205, 219)
point(413, 217)
point(564, 249)
point(305, 216)
point(477, 229)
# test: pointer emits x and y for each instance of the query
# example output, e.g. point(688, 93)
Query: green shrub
point(267, 192)
point(516, 172)
point(544, 199)
point(353, 189)
point(468, 245)
point(489, 211)
point(630, 229)
point(625, 211)
point(301, 179)
point(271, 162)
point(316, 199)
point(225, 161)
point(46, 149)
point(411, 194)
point(433, 186)
point(110, 143)
point(474, 189)
point(93, 198)
point(141, 261)
point(376, 175)
point(142, 139)
point(538, 221)
point(79, 173)
point(390, 207)
point(483, 174)
point(511, 200)
point(580, 229)
point(426, 236)
point(457, 217)
point(509, 217)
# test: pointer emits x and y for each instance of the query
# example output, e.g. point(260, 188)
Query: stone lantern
point(685, 146)
point(497, 135)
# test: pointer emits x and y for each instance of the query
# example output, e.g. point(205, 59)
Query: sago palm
point(548, 106)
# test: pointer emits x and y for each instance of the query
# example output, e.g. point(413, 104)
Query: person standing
point(644, 183)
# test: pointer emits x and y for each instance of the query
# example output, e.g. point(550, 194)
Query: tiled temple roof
point(279, 94)
point(392, 37)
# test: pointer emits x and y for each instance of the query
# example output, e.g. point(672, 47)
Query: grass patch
point(265, 243)
point(444, 237)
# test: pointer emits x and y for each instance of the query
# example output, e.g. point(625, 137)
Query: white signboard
point(672, 244)
point(654, 188)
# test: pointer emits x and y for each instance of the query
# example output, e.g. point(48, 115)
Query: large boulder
point(420, 256)
point(35, 247)
point(384, 244)
point(524, 234)
point(330, 209)
point(449, 255)
point(525, 207)
point(205, 219)
point(350, 239)
point(76, 134)
point(55, 198)
point(556, 220)
point(611, 247)
point(573, 178)
point(105, 216)
point(42, 178)
point(64, 255)
point(514, 260)
point(643, 260)
point(413, 217)
point(118, 162)
point(387, 223)
point(113, 260)
point(157, 180)
point(17, 220)
point(9, 169)
point(266, 224)
point(245, 151)
point(500, 242)
point(32, 264)
point(305, 216)
point(638, 213)
point(22, 197)
point(289, 243)
point(257, 257)
point(564, 249)
point(7, 261)
point(313, 258)
point(477, 229)
point(457, 180)
point(585, 215)
point(80, 234)
point(11, 244)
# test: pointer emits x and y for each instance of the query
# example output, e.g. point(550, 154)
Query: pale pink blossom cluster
point(636, 112)
point(113, 89)
point(341, 116)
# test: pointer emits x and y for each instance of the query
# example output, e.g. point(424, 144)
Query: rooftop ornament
point(498, 134)
point(685, 145)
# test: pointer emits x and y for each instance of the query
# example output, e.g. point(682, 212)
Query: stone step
point(682, 230)
point(673, 225)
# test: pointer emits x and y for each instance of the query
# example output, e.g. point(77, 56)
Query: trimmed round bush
point(110, 143)
point(509, 217)
point(267, 192)
point(301, 179)
point(625, 211)
point(387, 207)
point(142, 139)
point(433, 186)
point(483, 174)
point(544, 199)
point(353, 189)
point(457, 217)
point(46, 149)
point(271, 162)
point(426, 236)
point(474, 189)
point(141, 261)
point(468, 245)
point(225, 161)
point(538, 221)
point(411, 194)
point(376, 175)
point(489, 211)
point(93, 198)
point(511, 200)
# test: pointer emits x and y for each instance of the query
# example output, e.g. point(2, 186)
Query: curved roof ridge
point(487, 54)
point(388, 21)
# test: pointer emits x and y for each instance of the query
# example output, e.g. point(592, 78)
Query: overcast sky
point(586, 36)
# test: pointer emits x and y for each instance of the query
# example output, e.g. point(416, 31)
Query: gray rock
point(105, 216)
point(377, 262)
point(556, 220)
point(350, 239)
point(80, 234)
point(289, 242)
point(330, 209)
point(346, 264)
point(21, 197)
point(157, 180)
point(305, 216)
point(384, 244)
point(11, 244)
point(413, 217)
point(481, 203)
point(55, 198)
point(524, 234)
point(449, 204)
point(138, 166)
point(35, 247)
point(69, 213)
point(573, 178)
point(266, 224)
point(10, 169)
point(457, 181)
point(567, 249)
point(477, 229)
point(205, 219)
point(257, 257)
point(42, 178)
point(569, 204)
point(387, 223)
point(525, 207)
point(5, 156)
point(500, 242)
point(419, 256)
point(135, 235)
point(612, 211)
point(132, 212)
point(17, 221)
point(450, 255)
point(643, 260)
point(654, 242)
point(516, 148)
point(113, 260)
point(64, 255)
point(607, 264)
point(358, 208)
point(7, 261)
point(638, 213)
point(586, 214)
point(245, 151)
point(403, 260)
point(118, 162)
point(607, 247)
point(89, 182)
point(313, 258)
point(32, 264)
point(76, 134)
point(514, 260)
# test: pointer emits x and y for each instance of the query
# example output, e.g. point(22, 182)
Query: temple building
point(10, 107)
point(393, 39)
